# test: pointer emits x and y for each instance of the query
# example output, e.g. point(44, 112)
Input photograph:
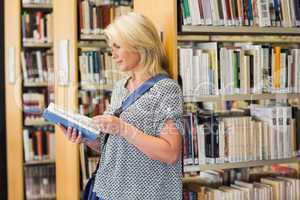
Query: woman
point(142, 156)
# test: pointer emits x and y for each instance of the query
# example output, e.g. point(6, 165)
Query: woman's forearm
point(156, 148)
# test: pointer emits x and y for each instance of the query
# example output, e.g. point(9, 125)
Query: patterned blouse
point(126, 173)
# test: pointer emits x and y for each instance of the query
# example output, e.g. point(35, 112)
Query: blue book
point(83, 124)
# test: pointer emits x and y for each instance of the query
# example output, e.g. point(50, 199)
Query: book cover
point(71, 119)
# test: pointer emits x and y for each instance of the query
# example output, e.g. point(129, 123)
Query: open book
point(83, 124)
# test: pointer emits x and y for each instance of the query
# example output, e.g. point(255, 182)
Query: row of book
point(271, 132)
point(285, 13)
point(37, 1)
point(34, 102)
point(92, 103)
point(40, 182)
point(94, 16)
point(37, 27)
point(39, 143)
point(37, 66)
point(238, 68)
point(268, 188)
point(232, 182)
point(98, 67)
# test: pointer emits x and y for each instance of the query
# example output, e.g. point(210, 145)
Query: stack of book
point(97, 67)
point(92, 103)
point(33, 106)
point(39, 143)
point(37, 27)
point(40, 182)
point(269, 133)
point(94, 15)
point(238, 68)
point(262, 183)
point(37, 66)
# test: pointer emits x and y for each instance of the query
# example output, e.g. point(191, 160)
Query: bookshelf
point(28, 140)
point(14, 128)
point(82, 39)
point(167, 20)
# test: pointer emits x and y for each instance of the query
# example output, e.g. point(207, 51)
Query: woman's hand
point(109, 124)
point(72, 134)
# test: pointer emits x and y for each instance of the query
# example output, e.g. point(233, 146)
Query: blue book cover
point(68, 119)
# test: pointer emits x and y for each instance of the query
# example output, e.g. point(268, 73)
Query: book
point(83, 124)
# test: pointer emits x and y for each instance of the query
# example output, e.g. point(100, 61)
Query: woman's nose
point(113, 54)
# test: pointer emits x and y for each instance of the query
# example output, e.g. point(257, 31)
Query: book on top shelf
point(72, 119)
point(283, 13)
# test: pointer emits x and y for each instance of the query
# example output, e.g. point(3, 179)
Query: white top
point(125, 173)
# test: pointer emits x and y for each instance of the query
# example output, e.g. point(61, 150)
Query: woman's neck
point(137, 79)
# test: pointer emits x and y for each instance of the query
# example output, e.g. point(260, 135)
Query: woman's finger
point(79, 139)
point(69, 133)
point(74, 135)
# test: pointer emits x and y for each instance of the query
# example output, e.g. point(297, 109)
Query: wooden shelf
point(39, 124)
point(241, 97)
point(93, 45)
point(240, 30)
point(41, 84)
point(37, 6)
point(37, 45)
point(92, 37)
point(90, 87)
point(240, 38)
point(39, 162)
point(239, 165)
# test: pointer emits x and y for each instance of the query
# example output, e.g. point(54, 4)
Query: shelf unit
point(165, 17)
point(14, 128)
point(14, 98)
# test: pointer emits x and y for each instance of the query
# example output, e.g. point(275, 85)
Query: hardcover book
point(67, 118)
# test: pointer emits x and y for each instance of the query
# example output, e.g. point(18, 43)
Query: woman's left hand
point(109, 124)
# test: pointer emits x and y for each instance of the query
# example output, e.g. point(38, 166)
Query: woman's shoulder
point(167, 85)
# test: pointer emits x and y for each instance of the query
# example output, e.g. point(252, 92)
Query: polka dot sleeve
point(170, 106)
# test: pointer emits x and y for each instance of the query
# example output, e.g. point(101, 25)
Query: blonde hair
point(136, 32)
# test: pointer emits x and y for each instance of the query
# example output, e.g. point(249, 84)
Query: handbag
point(88, 193)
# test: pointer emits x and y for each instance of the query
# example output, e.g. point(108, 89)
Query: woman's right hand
point(72, 134)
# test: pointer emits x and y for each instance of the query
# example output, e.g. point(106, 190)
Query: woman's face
point(127, 60)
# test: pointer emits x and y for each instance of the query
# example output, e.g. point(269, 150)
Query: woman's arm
point(165, 148)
